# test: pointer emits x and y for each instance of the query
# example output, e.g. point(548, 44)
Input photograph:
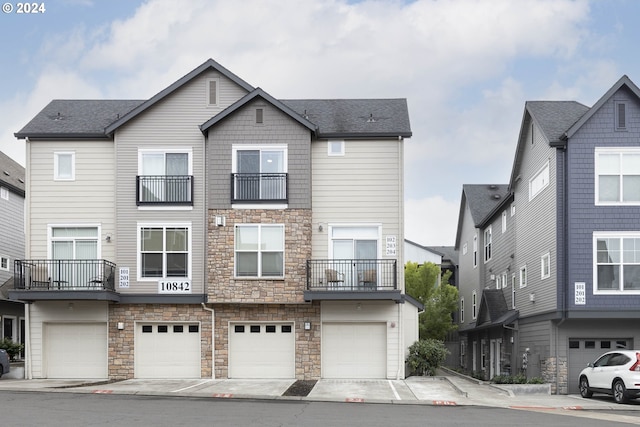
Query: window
point(513, 209)
point(504, 221)
point(270, 329)
point(545, 265)
point(254, 329)
point(194, 329)
point(4, 193)
point(504, 280)
point(238, 329)
point(474, 304)
point(64, 168)
point(259, 250)
point(259, 173)
point(487, 244)
point(513, 291)
point(164, 251)
point(498, 281)
point(335, 148)
point(146, 329)
point(523, 276)
point(462, 310)
point(617, 176)
point(163, 329)
point(475, 250)
point(621, 115)
point(4, 263)
point(617, 265)
point(464, 248)
point(164, 177)
point(178, 329)
point(539, 182)
point(212, 92)
point(285, 329)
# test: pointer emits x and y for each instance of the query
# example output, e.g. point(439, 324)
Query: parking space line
point(395, 392)
point(191, 386)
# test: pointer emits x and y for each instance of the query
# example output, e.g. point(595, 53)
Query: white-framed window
point(212, 92)
point(475, 251)
point(545, 265)
point(259, 250)
point(617, 176)
point(617, 262)
point(504, 280)
point(464, 248)
point(165, 176)
point(259, 172)
point(4, 193)
point(462, 310)
point(474, 304)
point(504, 221)
point(620, 115)
point(513, 291)
point(4, 263)
point(335, 147)
point(539, 181)
point(164, 250)
point(513, 209)
point(498, 281)
point(64, 166)
point(487, 244)
point(523, 276)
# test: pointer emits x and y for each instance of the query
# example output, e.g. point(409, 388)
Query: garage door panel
point(261, 351)
point(167, 350)
point(354, 350)
point(76, 350)
point(582, 351)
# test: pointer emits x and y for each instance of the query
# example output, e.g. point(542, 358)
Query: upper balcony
point(349, 279)
point(67, 279)
point(259, 188)
point(154, 190)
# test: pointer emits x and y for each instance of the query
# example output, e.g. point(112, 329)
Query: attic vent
point(59, 116)
point(621, 116)
point(496, 196)
point(21, 180)
point(371, 119)
point(212, 94)
point(6, 173)
point(493, 187)
point(259, 115)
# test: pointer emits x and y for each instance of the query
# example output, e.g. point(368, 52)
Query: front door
point(494, 357)
point(74, 243)
point(355, 249)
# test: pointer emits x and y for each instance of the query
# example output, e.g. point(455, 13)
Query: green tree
point(439, 298)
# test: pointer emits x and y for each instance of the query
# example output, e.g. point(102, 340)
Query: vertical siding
point(537, 337)
point(86, 200)
point(365, 186)
point(535, 233)
point(11, 231)
point(173, 123)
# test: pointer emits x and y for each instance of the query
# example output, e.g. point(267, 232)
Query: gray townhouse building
point(549, 264)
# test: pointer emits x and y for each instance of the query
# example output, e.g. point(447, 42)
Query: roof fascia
point(209, 64)
point(521, 139)
point(62, 136)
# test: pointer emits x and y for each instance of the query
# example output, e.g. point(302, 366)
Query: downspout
point(27, 350)
point(213, 339)
point(400, 343)
point(565, 251)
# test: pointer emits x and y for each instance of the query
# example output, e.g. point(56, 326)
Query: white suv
point(616, 373)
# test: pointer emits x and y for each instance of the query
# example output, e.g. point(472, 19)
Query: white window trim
point(259, 275)
point(504, 221)
point(545, 184)
point(8, 268)
point(513, 209)
point(619, 151)
point(545, 258)
point(513, 290)
point(50, 238)
point(4, 193)
point(261, 147)
point(186, 150)
point(474, 305)
point(523, 283)
point(504, 280)
point(332, 153)
point(56, 171)
point(612, 235)
point(462, 310)
point(356, 236)
point(464, 248)
point(142, 225)
point(487, 252)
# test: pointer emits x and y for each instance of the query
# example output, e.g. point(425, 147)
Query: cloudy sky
point(466, 68)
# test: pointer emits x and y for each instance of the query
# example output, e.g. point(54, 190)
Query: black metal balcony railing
point(164, 190)
point(64, 275)
point(352, 275)
point(259, 187)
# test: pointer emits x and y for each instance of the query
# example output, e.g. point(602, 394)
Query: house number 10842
point(169, 287)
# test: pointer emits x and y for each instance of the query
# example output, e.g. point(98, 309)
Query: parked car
point(616, 373)
point(4, 362)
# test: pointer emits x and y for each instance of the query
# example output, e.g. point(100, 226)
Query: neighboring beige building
point(214, 231)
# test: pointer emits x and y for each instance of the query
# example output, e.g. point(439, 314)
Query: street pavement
point(446, 389)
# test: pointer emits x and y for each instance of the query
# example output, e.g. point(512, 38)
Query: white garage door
point(167, 350)
point(261, 350)
point(76, 350)
point(582, 351)
point(354, 350)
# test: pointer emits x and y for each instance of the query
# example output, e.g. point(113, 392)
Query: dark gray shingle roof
point(556, 117)
point(11, 174)
point(76, 118)
point(482, 199)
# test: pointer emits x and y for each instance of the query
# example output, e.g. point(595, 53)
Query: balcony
point(349, 279)
point(64, 280)
point(259, 187)
point(176, 190)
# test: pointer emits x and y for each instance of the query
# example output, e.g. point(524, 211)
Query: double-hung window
point(164, 251)
point(475, 250)
point(165, 178)
point(474, 304)
point(487, 244)
point(259, 250)
point(617, 262)
point(617, 176)
point(259, 174)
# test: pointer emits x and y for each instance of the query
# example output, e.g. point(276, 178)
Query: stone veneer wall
point(307, 347)
point(121, 343)
point(223, 287)
point(560, 384)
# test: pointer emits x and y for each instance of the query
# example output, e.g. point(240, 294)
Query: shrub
point(516, 379)
point(13, 348)
point(425, 356)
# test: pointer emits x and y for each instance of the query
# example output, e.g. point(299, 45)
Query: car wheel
point(619, 392)
point(584, 388)
point(1, 370)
